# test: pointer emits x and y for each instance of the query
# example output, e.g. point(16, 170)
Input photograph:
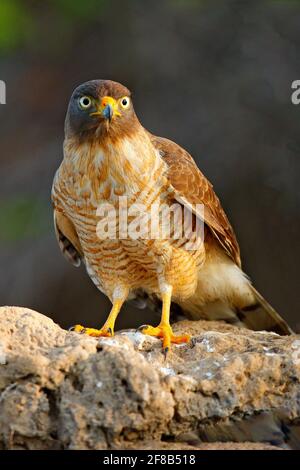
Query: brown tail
point(262, 316)
point(257, 315)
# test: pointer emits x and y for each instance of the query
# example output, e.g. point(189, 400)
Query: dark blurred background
point(215, 76)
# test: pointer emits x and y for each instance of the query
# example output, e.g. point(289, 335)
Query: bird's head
point(98, 108)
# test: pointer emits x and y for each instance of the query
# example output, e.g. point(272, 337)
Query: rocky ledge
point(61, 390)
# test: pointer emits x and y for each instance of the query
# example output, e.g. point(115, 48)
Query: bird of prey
point(109, 155)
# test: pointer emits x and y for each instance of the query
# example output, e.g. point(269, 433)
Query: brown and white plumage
point(108, 154)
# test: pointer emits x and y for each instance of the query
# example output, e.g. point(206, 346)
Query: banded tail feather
point(262, 316)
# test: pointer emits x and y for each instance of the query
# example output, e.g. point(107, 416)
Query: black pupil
point(124, 102)
point(86, 101)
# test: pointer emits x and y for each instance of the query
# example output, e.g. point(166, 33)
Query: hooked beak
point(108, 108)
point(108, 112)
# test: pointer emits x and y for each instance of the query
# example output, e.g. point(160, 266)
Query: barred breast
point(93, 177)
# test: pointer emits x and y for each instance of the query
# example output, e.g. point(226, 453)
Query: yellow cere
point(104, 102)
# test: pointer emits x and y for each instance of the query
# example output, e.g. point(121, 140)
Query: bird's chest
point(113, 221)
point(113, 203)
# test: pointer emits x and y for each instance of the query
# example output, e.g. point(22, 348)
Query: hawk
point(109, 155)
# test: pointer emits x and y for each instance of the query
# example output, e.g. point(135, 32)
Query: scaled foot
point(164, 332)
point(106, 332)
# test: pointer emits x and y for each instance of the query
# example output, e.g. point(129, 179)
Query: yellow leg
point(164, 329)
point(109, 325)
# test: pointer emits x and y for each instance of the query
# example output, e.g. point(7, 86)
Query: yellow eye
point(85, 102)
point(125, 102)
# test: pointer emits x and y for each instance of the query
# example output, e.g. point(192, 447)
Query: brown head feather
point(82, 127)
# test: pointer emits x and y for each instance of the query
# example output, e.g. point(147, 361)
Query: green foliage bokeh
point(20, 25)
point(16, 24)
point(19, 19)
point(23, 217)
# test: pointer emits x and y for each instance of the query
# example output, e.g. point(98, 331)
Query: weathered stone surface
point(160, 445)
point(59, 389)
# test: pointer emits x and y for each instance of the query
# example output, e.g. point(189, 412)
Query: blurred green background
point(215, 76)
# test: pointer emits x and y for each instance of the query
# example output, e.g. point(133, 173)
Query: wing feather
point(191, 187)
point(67, 238)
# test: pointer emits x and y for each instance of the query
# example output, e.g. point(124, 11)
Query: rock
point(61, 390)
point(160, 445)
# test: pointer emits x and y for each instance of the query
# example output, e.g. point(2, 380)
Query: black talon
point(109, 330)
point(83, 331)
point(141, 328)
point(165, 351)
point(72, 328)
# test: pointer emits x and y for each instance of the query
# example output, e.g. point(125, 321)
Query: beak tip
point(108, 112)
